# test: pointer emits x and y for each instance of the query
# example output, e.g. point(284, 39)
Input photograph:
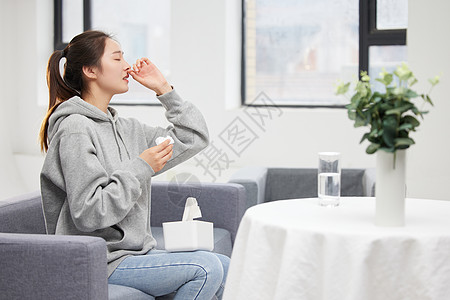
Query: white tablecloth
point(296, 249)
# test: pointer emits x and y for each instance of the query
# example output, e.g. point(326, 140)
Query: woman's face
point(112, 78)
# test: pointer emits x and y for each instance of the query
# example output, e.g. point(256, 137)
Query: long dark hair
point(85, 49)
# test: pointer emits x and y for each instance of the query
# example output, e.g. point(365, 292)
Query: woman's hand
point(147, 74)
point(158, 156)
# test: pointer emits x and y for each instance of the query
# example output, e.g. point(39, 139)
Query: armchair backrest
point(22, 214)
point(263, 184)
point(223, 204)
point(291, 183)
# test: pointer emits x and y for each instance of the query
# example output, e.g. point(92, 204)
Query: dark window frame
point(369, 35)
point(58, 42)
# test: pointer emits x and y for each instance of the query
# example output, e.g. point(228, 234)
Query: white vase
point(390, 189)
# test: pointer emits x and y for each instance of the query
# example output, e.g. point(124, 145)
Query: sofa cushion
point(352, 183)
point(22, 214)
point(222, 240)
point(290, 183)
point(120, 292)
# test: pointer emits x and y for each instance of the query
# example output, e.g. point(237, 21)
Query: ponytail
point(86, 49)
point(58, 93)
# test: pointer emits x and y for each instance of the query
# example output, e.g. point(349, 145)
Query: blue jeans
point(194, 275)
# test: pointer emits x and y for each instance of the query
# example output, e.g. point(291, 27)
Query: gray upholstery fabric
point(39, 266)
point(22, 214)
point(254, 181)
point(369, 182)
point(222, 204)
point(292, 183)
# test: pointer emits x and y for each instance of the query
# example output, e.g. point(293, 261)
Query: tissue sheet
point(161, 139)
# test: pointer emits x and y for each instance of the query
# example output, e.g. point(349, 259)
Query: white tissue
point(191, 210)
point(161, 139)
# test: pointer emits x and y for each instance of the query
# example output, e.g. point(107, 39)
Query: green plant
point(391, 115)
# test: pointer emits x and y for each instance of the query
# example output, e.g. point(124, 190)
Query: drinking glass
point(329, 179)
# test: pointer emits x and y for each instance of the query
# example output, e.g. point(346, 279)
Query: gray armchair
point(264, 184)
point(39, 266)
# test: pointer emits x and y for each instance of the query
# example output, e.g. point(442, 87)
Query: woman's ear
point(90, 72)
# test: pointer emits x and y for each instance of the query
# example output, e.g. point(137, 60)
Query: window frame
point(369, 35)
point(58, 43)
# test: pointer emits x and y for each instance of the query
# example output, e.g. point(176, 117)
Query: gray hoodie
point(93, 181)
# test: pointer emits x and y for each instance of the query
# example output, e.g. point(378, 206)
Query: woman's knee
point(225, 260)
point(211, 266)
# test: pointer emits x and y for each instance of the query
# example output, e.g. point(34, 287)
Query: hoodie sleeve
point(188, 129)
point(98, 199)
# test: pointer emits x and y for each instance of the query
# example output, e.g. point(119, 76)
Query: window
point(383, 26)
point(295, 50)
point(129, 22)
point(71, 18)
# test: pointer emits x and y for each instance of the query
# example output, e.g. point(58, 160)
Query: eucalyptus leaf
point(435, 80)
point(413, 81)
point(410, 120)
point(372, 148)
point(387, 149)
point(416, 111)
point(411, 94)
point(406, 126)
point(404, 141)
point(403, 72)
point(342, 88)
point(359, 121)
point(351, 115)
point(400, 110)
point(365, 136)
point(390, 130)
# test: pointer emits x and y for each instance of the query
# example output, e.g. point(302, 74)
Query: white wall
point(429, 55)
point(10, 180)
point(26, 37)
point(205, 66)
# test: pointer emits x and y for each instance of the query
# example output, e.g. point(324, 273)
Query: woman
point(98, 168)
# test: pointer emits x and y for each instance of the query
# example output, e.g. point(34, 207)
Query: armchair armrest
point(253, 179)
point(369, 178)
point(220, 203)
point(36, 266)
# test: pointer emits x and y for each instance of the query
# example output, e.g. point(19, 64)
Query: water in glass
point(329, 178)
point(329, 189)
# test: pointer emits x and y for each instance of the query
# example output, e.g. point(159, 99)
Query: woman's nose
point(127, 67)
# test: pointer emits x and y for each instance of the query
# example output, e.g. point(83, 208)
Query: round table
point(296, 249)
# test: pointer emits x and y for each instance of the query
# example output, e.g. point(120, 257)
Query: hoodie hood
point(76, 105)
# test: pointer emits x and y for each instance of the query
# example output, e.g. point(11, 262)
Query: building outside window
point(296, 50)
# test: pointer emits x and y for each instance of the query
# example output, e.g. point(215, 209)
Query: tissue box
point(188, 236)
